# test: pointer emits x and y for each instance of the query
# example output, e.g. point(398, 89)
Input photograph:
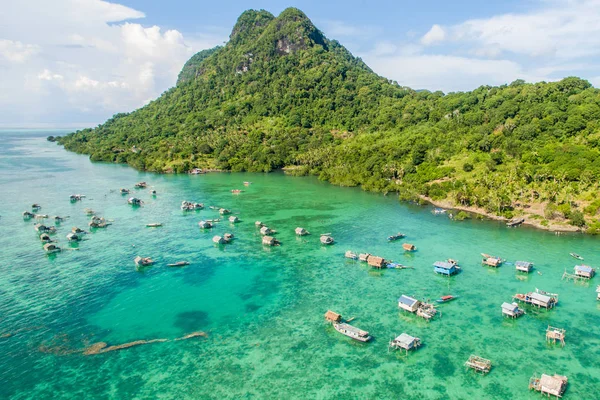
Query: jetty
point(405, 341)
point(550, 385)
point(553, 334)
point(479, 364)
point(511, 310)
point(523, 266)
point(538, 298)
point(445, 268)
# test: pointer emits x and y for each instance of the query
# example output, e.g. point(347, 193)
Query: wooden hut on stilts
point(550, 385)
point(553, 334)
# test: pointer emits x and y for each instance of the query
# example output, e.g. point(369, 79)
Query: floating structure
point(326, 239)
point(154, 225)
point(143, 261)
point(205, 224)
point(28, 215)
point(44, 229)
point(36, 207)
point(577, 256)
point(479, 364)
point(228, 237)
point(265, 230)
point(141, 185)
point(179, 264)
point(270, 241)
point(58, 219)
point(553, 334)
point(406, 342)
point(50, 248)
point(218, 240)
point(349, 254)
point(550, 385)
point(538, 298)
point(515, 222)
point(511, 310)
point(89, 211)
point(135, 201)
point(76, 197)
point(247, 183)
point(191, 206)
point(124, 191)
point(447, 298)
point(333, 316)
point(426, 311)
point(408, 303)
point(408, 247)
point(259, 224)
point(41, 216)
point(45, 238)
point(363, 257)
point(352, 331)
point(233, 219)
point(73, 237)
point(445, 268)
point(197, 171)
point(236, 191)
point(584, 271)
point(301, 231)
point(523, 266)
point(491, 261)
point(396, 237)
point(224, 211)
point(98, 222)
point(376, 262)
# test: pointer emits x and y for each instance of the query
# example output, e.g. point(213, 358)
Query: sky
point(75, 63)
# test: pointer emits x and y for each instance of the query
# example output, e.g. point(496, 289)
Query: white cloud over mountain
point(81, 60)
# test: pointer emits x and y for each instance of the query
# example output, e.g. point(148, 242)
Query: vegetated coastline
point(280, 94)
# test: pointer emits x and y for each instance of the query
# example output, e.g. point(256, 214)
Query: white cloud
point(85, 60)
point(435, 35)
point(565, 29)
point(443, 72)
point(16, 51)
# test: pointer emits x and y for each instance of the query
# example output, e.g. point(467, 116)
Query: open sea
point(262, 308)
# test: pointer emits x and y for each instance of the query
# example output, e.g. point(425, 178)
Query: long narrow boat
point(575, 255)
point(396, 237)
point(352, 332)
point(445, 299)
point(179, 264)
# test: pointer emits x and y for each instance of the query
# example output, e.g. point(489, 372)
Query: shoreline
point(527, 215)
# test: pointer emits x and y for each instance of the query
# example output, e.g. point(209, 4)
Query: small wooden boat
point(124, 191)
point(28, 215)
point(439, 211)
point(236, 191)
point(224, 211)
point(577, 256)
point(154, 225)
point(135, 201)
point(179, 264)
point(141, 185)
point(352, 332)
point(76, 197)
point(35, 207)
point(515, 222)
point(247, 183)
point(445, 299)
point(396, 237)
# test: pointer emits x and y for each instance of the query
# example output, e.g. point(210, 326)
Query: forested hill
point(281, 94)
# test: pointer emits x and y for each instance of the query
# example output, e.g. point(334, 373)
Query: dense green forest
point(280, 94)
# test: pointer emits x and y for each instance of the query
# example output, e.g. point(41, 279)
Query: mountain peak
point(249, 25)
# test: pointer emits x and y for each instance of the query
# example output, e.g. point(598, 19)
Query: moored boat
point(352, 332)
point(349, 254)
point(447, 298)
point(396, 237)
point(326, 239)
point(143, 261)
point(179, 264)
point(577, 256)
point(154, 225)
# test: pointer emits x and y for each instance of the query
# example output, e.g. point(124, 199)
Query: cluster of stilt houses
point(547, 384)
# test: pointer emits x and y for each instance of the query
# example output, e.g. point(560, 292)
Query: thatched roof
point(332, 316)
point(375, 261)
point(408, 246)
point(553, 384)
point(268, 240)
point(301, 231)
point(265, 230)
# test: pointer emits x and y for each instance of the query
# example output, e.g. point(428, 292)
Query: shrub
point(462, 215)
point(468, 167)
point(577, 219)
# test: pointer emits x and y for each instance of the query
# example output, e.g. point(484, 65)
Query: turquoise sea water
point(263, 308)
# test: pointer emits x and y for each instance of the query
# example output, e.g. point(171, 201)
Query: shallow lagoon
point(263, 308)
